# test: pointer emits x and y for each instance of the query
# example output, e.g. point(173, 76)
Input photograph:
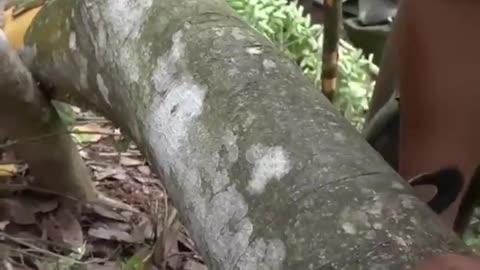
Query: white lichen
point(220, 32)
point(230, 142)
point(375, 209)
point(401, 241)
point(237, 33)
point(349, 228)
point(254, 50)
point(125, 21)
point(397, 185)
point(103, 89)
point(180, 143)
point(249, 120)
point(269, 163)
point(352, 219)
point(268, 64)
point(407, 201)
point(263, 254)
point(182, 101)
point(127, 16)
point(72, 41)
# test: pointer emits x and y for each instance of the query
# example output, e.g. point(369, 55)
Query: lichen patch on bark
point(230, 142)
point(254, 50)
point(103, 89)
point(263, 254)
point(128, 15)
point(269, 163)
point(178, 99)
point(269, 64)
point(176, 126)
point(72, 41)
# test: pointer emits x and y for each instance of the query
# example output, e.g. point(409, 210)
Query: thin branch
point(331, 36)
point(44, 136)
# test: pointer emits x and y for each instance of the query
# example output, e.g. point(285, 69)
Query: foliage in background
point(284, 24)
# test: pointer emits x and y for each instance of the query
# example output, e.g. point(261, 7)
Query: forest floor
point(38, 230)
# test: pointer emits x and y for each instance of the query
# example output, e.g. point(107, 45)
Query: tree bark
point(264, 171)
point(38, 134)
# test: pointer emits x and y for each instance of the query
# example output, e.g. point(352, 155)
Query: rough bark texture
point(27, 117)
point(265, 173)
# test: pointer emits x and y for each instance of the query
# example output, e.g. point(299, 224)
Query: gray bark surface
point(264, 171)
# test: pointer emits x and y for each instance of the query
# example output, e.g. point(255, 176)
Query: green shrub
point(284, 24)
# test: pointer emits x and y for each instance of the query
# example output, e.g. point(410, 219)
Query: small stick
point(331, 36)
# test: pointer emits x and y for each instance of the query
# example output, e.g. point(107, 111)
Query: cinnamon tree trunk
point(264, 171)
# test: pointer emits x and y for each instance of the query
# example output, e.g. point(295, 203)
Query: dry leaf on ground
point(130, 162)
point(63, 227)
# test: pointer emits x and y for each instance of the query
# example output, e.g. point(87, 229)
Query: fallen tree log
point(265, 173)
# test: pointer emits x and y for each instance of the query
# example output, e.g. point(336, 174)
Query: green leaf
point(134, 263)
point(65, 112)
point(122, 144)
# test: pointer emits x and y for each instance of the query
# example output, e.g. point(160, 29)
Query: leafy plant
point(286, 26)
point(65, 112)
